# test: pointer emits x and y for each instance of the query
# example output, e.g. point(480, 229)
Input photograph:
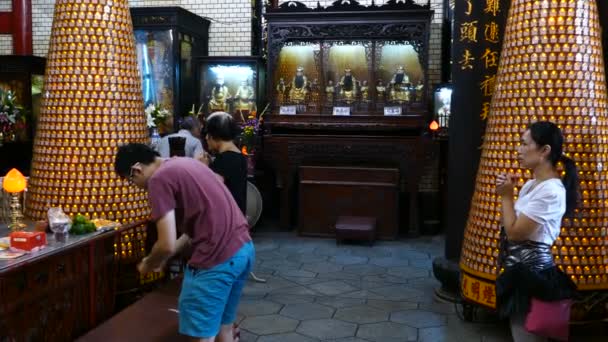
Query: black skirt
point(519, 283)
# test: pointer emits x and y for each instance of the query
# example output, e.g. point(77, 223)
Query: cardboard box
point(26, 241)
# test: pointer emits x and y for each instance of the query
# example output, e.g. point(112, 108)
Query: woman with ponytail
point(532, 224)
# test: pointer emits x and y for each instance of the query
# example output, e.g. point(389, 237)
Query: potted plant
point(13, 121)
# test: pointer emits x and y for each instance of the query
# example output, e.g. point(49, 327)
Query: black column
point(466, 127)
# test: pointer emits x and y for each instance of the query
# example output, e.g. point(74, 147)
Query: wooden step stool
point(356, 228)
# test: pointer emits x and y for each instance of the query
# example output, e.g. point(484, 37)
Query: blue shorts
point(210, 297)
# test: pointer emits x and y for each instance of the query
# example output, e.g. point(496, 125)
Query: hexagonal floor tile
point(258, 307)
point(269, 324)
point(290, 299)
point(408, 272)
point(321, 267)
point(308, 258)
point(348, 260)
point(419, 319)
point(364, 269)
point(290, 337)
point(332, 288)
point(389, 262)
point(391, 305)
point(387, 331)
point(361, 314)
point(336, 302)
point(247, 336)
point(307, 311)
point(397, 292)
point(325, 329)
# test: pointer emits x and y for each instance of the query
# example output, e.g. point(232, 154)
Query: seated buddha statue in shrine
point(299, 87)
point(281, 87)
point(348, 86)
point(330, 90)
point(218, 99)
point(400, 86)
point(244, 97)
point(380, 92)
point(364, 91)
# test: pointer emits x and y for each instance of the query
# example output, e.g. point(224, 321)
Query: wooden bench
point(356, 228)
point(152, 318)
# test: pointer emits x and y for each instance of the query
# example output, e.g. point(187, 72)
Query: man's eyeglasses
point(131, 173)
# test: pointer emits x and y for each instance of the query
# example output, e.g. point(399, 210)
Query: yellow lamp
point(14, 183)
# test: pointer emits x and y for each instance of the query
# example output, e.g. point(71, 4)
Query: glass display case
point(167, 40)
point(348, 88)
point(442, 106)
point(23, 76)
point(366, 63)
point(235, 85)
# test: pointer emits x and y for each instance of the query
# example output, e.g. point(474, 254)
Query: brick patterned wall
point(435, 43)
point(230, 31)
point(6, 41)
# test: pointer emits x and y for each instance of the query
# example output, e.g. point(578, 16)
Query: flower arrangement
point(12, 116)
point(156, 115)
point(251, 130)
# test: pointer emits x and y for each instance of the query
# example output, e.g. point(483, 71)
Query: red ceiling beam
point(18, 23)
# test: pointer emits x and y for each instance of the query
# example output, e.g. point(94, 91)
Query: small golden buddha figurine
point(364, 91)
point(244, 97)
point(299, 87)
point(314, 91)
point(219, 96)
point(348, 86)
point(381, 91)
point(330, 90)
point(419, 91)
point(281, 87)
point(400, 83)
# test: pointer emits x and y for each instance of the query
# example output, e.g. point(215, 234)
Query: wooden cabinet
point(167, 41)
point(62, 291)
point(348, 88)
point(326, 193)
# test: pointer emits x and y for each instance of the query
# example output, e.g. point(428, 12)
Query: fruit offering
point(82, 225)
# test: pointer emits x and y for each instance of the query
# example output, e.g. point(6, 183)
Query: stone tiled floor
point(317, 291)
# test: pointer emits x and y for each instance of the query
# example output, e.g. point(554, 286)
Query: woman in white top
point(532, 224)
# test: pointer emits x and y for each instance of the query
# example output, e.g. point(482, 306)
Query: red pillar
point(22, 27)
point(18, 23)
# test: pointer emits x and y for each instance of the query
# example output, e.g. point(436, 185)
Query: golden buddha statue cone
point(92, 103)
point(552, 69)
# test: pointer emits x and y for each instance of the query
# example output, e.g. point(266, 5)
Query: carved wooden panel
point(62, 295)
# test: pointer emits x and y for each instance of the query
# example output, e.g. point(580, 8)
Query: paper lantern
point(91, 104)
point(552, 69)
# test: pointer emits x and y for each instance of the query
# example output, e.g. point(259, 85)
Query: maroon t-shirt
point(204, 209)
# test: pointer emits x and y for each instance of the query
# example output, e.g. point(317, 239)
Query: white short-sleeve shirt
point(545, 204)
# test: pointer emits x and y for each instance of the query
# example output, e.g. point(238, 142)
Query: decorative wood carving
point(61, 295)
point(415, 33)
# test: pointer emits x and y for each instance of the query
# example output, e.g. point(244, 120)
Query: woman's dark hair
point(221, 126)
point(131, 154)
point(547, 133)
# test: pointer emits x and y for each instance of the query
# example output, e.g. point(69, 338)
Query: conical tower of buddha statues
point(552, 69)
point(92, 103)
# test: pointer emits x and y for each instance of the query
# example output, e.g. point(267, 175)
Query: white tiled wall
point(6, 41)
point(230, 31)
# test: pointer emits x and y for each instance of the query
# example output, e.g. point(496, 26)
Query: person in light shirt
point(190, 129)
point(532, 224)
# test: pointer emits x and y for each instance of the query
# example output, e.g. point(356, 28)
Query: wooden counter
point(61, 291)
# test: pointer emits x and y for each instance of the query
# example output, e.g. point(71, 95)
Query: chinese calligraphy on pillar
point(480, 26)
